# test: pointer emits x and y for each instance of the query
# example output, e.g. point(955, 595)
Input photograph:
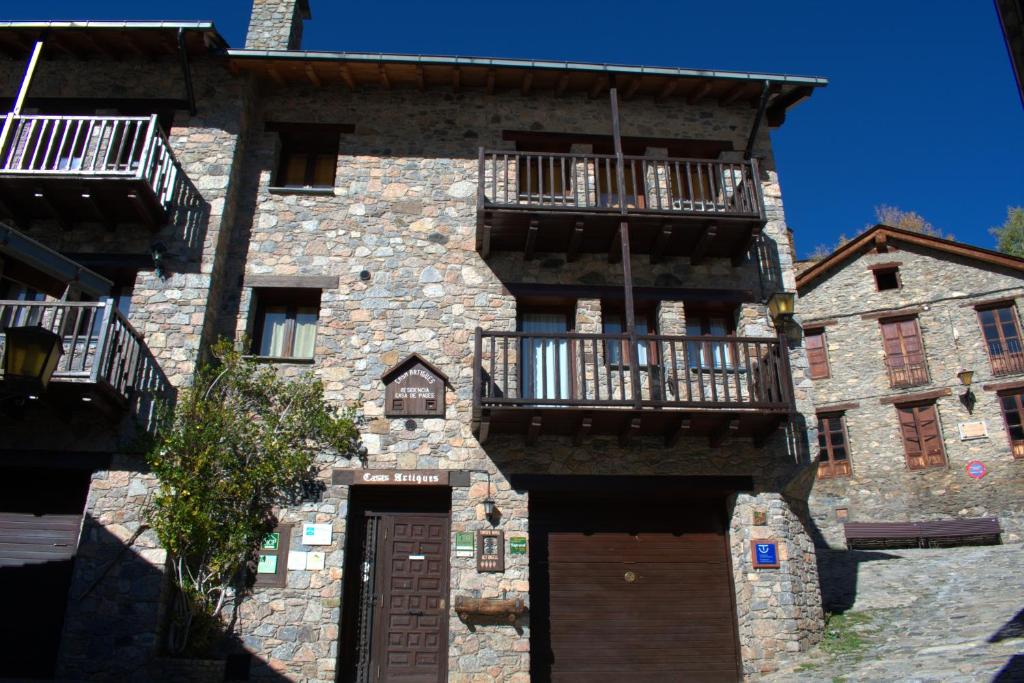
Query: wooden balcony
point(105, 362)
point(906, 371)
point(571, 203)
point(105, 169)
point(580, 384)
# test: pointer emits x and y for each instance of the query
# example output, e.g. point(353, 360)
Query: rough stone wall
point(115, 603)
point(275, 25)
point(404, 208)
point(881, 487)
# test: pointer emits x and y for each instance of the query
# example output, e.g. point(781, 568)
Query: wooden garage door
point(635, 592)
point(40, 520)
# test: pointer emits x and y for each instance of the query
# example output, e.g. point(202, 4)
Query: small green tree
point(1010, 235)
point(240, 441)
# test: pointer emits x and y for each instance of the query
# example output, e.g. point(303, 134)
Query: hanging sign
point(976, 469)
point(765, 554)
point(414, 388)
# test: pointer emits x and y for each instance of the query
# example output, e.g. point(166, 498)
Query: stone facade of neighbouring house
point(943, 286)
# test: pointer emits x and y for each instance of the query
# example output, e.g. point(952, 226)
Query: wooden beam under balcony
point(700, 251)
point(661, 243)
point(575, 240)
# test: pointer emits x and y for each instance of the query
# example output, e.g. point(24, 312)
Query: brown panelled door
point(410, 633)
point(922, 439)
point(817, 353)
point(631, 590)
point(904, 353)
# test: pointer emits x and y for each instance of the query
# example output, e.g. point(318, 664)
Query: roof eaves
point(592, 67)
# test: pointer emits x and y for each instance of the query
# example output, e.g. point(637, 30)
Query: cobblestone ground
point(921, 616)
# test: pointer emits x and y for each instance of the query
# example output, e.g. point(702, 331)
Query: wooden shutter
point(1013, 415)
point(817, 354)
point(904, 353)
point(833, 445)
point(922, 439)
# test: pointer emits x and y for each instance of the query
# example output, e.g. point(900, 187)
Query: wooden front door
point(631, 591)
point(410, 625)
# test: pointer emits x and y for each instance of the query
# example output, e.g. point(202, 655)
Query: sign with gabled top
point(414, 387)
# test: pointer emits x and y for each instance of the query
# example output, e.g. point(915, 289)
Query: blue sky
point(921, 111)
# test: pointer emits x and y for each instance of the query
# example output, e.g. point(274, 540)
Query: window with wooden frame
point(544, 171)
point(271, 570)
point(922, 437)
point(1012, 404)
point(717, 352)
point(285, 323)
point(904, 353)
point(308, 155)
point(817, 353)
point(613, 321)
point(1001, 329)
point(833, 446)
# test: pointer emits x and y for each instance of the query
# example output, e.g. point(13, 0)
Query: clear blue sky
point(921, 111)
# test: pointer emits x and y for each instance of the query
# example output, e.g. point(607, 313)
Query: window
point(309, 156)
point(1013, 410)
point(1002, 338)
point(272, 558)
point(544, 173)
point(17, 316)
point(922, 440)
point(716, 352)
point(817, 353)
point(614, 323)
point(904, 353)
point(887, 278)
point(833, 449)
point(546, 361)
point(286, 322)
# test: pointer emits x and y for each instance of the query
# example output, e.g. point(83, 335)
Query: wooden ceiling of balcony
point(104, 40)
point(356, 75)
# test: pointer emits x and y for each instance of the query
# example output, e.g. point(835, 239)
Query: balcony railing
point(524, 369)
point(130, 149)
point(1007, 363)
point(906, 372)
point(588, 183)
point(101, 350)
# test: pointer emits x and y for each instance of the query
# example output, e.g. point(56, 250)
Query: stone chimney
point(276, 24)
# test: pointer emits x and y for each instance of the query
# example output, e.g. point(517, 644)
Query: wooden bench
point(941, 533)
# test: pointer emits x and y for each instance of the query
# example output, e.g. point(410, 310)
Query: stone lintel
point(293, 281)
point(915, 396)
point(893, 313)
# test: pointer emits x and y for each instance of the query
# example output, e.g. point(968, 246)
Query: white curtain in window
point(275, 322)
point(613, 324)
point(703, 354)
point(305, 333)
point(545, 361)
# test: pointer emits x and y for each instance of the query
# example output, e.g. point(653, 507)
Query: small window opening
point(887, 279)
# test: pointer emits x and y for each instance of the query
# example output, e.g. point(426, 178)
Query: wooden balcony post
point(148, 149)
point(620, 162)
point(102, 341)
point(481, 196)
point(786, 373)
point(756, 182)
point(478, 361)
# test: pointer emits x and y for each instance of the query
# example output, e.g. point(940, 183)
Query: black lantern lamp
point(30, 357)
point(781, 307)
point(967, 398)
point(158, 251)
point(489, 507)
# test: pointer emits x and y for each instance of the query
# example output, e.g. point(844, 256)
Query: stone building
point(545, 284)
point(915, 352)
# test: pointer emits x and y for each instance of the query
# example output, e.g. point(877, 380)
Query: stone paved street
point(950, 615)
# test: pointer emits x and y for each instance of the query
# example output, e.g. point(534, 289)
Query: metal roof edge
point(90, 23)
point(554, 65)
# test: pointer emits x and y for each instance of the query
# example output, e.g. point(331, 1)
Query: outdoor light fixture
point(781, 308)
point(489, 508)
point(30, 357)
point(967, 398)
point(158, 251)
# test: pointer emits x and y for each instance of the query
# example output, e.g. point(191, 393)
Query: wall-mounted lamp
point(967, 398)
point(30, 357)
point(364, 275)
point(489, 508)
point(158, 251)
point(781, 307)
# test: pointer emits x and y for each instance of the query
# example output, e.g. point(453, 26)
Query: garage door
point(40, 520)
point(632, 590)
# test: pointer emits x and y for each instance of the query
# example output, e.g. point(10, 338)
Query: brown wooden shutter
point(817, 354)
point(922, 440)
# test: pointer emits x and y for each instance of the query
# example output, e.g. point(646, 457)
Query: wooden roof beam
point(421, 78)
point(346, 75)
point(631, 89)
point(275, 75)
point(666, 92)
point(600, 83)
point(732, 94)
point(384, 80)
point(527, 82)
point(563, 82)
point(456, 79)
point(775, 115)
point(699, 93)
point(489, 87)
point(312, 75)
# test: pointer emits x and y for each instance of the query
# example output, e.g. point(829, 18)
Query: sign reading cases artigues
point(414, 388)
